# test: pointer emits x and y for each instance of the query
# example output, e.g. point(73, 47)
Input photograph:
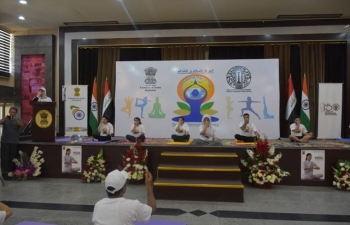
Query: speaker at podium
point(43, 128)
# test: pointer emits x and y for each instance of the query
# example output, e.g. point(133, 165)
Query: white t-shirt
point(209, 135)
point(120, 211)
point(45, 99)
point(250, 128)
point(301, 128)
point(109, 127)
point(2, 217)
point(183, 129)
point(140, 129)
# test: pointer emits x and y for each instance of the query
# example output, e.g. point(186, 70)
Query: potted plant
point(28, 167)
point(262, 165)
point(96, 169)
point(135, 162)
point(341, 175)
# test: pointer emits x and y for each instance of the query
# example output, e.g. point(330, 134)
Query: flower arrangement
point(96, 169)
point(342, 175)
point(263, 164)
point(28, 167)
point(135, 161)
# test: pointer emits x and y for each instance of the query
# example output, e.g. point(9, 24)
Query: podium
point(44, 121)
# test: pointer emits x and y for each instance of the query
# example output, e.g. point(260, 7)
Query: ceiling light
point(347, 26)
point(23, 2)
point(21, 18)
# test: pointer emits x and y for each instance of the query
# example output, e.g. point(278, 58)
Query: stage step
point(199, 176)
point(199, 158)
point(199, 190)
point(212, 172)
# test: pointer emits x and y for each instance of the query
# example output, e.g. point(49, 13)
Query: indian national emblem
point(77, 90)
point(43, 120)
point(150, 73)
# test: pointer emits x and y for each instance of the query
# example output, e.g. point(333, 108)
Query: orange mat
point(238, 142)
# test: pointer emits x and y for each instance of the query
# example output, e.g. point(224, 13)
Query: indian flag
point(93, 109)
point(304, 112)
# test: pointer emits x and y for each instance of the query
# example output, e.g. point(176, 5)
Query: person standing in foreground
point(5, 213)
point(9, 141)
point(41, 96)
point(299, 132)
point(116, 209)
point(248, 130)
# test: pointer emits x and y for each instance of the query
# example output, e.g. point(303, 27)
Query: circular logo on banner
point(305, 104)
point(43, 119)
point(238, 77)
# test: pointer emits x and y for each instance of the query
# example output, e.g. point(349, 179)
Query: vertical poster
point(76, 110)
point(330, 110)
point(71, 159)
point(32, 78)
point(312, 165)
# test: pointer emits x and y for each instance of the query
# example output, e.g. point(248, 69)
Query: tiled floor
point(68, 201)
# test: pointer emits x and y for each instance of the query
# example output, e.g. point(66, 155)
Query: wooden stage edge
point(290, 161)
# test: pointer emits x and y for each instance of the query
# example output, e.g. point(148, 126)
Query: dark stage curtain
point(87, 70)
point(236, 52)
point(140, 54)
point(335, 72)
point(191, 52)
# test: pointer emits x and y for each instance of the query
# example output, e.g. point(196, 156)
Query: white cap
point(116, 179)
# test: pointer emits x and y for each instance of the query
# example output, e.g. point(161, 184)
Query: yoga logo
point(78, 114)
point(195, 91)
point(238, 77)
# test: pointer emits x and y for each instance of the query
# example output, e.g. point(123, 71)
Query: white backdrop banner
point(329, 110)
point(76, 112)
point(160, 91)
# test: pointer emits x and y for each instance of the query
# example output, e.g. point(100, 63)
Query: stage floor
point(284, 143)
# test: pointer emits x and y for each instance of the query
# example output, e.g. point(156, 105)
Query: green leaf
point(207, 106)
point(184, 106)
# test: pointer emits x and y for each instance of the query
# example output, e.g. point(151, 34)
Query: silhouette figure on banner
point(157, 112)
point(249, 106)
point(127, 108)
point(229, 106)
point(266, 114)
point(141, 102)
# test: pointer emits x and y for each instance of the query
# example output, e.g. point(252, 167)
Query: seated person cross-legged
point(207, 133)
point(299, 132)
point(249, 132)
point(182, 131)
point(105, 129)
point(137, 131)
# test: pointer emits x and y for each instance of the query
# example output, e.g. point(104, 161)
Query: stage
point(113, 151)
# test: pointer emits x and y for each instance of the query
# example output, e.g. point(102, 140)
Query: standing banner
point(159, 92)
point(76, 110)
point(329, 110)
point(71, 159)
point(312, 165)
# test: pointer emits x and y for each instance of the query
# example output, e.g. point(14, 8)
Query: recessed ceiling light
point(21, 18)
point(84, 38)
point(23, 2)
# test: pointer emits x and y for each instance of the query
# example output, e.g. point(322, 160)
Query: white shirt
point(120, 211)
point(45, 99)
point(250, 128)
point(2, 217)
point(209, 135)
point(140, 129)
point(109, 127)
point(301, 128)
point(68, 166)
point(183, 129)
